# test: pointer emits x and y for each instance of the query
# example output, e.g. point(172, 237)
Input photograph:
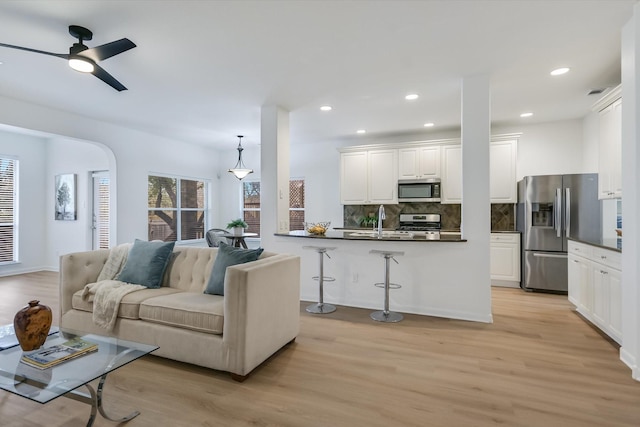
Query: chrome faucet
point(381, 216)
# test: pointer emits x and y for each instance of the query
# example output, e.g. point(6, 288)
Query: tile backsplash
point(502, 215)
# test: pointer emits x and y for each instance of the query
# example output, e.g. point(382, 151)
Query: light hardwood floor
point(538, 364)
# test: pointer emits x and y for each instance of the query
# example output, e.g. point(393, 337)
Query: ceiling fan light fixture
point(84, 65)
point(240, 171)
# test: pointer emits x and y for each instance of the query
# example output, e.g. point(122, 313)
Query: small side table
point(237, 240)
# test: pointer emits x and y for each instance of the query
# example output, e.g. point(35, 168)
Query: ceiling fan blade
point(100, 73)
point(59, 55)
point(108, 50)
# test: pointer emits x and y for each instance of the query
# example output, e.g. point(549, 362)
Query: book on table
point(54, 355)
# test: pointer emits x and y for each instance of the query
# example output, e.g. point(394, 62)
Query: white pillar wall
point(630, 349)
point(274, 173)
point(476, 206)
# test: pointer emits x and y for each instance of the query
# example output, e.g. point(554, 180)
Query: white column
point(476, 207)
point(630, 349)
point(274, 175)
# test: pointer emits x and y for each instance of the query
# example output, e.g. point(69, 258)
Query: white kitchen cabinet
point(353, 178)
point(368, 177)
point(505, 259)
point(369, 174)
point(595, 286)
point(383, 176)
point(610, 151)
point(580, 282)
point(615, 302)
point(419, 162)
point(502, 173)
point(502, 176)
point(451, 185)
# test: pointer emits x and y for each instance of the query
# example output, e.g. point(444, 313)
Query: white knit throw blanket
point(106, 296)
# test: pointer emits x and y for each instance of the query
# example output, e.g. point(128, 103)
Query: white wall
point(136, 154)
point(590, 131)
point(549, 148)
point(80, 158)
point(32, 201)
point(630, 350)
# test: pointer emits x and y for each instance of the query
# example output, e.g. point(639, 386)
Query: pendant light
point(240, 170)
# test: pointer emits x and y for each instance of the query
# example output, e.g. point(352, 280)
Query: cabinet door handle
point(575, 260)
point(603, 272)
point(603, 257)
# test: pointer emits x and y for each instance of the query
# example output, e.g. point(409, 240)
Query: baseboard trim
point(629, 360)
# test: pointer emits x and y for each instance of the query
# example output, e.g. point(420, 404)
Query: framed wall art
point(65, 197)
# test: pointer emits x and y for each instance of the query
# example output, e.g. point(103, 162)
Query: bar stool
point(321, 307)
point(386, 315)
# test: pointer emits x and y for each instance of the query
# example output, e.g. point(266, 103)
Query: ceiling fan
point(84, 59)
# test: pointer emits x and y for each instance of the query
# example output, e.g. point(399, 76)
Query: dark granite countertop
point(363, 235)
point(611, 244)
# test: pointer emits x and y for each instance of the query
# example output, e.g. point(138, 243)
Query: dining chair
point(214, 236)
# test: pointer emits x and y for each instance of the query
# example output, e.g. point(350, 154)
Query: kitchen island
point(437, 276)
point(368, 234)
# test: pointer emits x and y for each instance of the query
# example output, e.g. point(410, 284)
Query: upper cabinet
point(502, 175)
point(369, 177)
point(451, 174)
point(419, 162)
point(369, 174)
point(609, 110)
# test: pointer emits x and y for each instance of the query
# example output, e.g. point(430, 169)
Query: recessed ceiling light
point(428, 125)
point(559, 71)
point(526, 114)
point(361, 131)
point(326, 108)
point(411, 97)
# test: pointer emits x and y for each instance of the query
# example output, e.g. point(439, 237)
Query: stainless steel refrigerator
point(550, 209)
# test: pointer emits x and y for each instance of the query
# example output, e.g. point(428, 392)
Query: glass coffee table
point(44, 385)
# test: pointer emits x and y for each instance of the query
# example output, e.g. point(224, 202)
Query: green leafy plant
point(369, 220)
point(237, 223)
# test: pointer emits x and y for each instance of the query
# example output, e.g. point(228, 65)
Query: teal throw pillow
point(146, 263)
point(228, 256)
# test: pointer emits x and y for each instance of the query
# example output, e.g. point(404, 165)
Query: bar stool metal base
point(388, 317)
point(321, 308)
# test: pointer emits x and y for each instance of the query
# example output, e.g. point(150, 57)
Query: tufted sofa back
point(190, 267)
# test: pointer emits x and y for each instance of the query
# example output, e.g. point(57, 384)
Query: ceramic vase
point(32, 325)
point(238, 231)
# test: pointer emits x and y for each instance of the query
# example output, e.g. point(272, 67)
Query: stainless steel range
point(429, 224)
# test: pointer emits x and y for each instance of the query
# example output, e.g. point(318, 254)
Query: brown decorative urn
point(32, 325)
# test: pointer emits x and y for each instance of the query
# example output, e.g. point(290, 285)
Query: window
point(177, 208)
point(8, 208)
point(296, 204)
point(251, 205)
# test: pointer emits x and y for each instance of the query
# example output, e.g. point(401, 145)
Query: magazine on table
point(51, 356)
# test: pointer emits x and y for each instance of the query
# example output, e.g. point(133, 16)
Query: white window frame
point(15, 207)
point(243, 209)
point(179, 209)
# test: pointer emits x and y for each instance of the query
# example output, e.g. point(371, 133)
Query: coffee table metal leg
point(94, 399)
point(101, 409)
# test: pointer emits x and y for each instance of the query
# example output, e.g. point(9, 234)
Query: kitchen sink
point(385, 234)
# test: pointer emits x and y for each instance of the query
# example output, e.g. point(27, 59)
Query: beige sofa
point(258, 314)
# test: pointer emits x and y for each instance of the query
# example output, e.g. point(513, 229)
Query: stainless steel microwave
point(419, 190)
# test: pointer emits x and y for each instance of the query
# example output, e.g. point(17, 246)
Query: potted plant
point(238, 226)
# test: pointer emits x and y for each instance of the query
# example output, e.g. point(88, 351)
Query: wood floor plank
point(538, 364)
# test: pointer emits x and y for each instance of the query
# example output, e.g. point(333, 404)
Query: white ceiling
point(202, 69)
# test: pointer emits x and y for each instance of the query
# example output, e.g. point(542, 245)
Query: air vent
point(596, 91)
